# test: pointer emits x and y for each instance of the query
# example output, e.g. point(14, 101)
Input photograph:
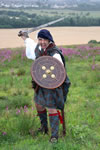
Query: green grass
point(82, 109)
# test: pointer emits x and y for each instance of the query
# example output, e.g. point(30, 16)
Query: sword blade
point(45, 25)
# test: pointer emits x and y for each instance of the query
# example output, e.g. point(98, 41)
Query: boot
point(54, 123)
point(44, 124)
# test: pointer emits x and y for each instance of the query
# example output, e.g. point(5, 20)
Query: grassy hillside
point(18, 118)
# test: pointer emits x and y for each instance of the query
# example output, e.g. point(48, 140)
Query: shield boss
point(48, 72)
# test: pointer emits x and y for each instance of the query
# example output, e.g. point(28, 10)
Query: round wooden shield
point(48, 72)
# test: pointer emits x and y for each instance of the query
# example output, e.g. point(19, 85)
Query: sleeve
point(57, 56)
point(30, 49)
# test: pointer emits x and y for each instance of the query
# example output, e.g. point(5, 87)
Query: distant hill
point(69, 4)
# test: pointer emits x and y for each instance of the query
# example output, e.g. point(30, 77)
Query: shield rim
point(33, 77)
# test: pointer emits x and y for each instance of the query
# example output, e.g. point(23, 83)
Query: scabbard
point(64, 126)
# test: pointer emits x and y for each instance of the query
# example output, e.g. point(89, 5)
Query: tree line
point(11, 19)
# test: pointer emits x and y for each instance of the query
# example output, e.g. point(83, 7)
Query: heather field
point(18, 117)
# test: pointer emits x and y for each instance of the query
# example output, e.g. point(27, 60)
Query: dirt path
point(61, 35)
